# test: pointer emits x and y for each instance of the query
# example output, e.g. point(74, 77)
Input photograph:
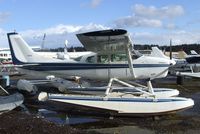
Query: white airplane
point(109, 63)
point(193, 52)
point(97, 67)
point(5, 55)
point(93, 65)
point(77, 56)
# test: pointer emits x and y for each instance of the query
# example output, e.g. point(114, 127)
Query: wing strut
point(128, 53)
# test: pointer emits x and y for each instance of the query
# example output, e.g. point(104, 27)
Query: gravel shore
point(17, 122)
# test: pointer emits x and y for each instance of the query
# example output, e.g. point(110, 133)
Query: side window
point(118, 57)
point(102, 59)
point(90, 59)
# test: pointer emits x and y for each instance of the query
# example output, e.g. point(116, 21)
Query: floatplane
point(115, 62)
point(93, 66)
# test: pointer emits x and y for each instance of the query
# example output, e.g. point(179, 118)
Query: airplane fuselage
point(144, 67)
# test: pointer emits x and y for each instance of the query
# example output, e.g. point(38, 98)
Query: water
point(64, 118)
point(182, 122)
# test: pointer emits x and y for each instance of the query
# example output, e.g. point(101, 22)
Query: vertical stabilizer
point(20, 51)
point(23, 54)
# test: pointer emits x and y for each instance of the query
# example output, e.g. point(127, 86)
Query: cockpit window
point(118, 57)
point(115, 58)
point(102, 59)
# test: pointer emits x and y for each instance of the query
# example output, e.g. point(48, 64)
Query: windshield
point(136, 54)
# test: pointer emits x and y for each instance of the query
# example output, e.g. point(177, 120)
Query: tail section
point(22, 53)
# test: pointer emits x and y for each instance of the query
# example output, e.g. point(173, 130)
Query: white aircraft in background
point(193, 63)
point(5, 56)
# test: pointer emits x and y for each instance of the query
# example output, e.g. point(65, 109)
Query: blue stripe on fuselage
point(82, 66)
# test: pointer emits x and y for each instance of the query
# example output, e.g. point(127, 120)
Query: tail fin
point(193, 52)
point(157, 53)
point(20, 51)
point(23, 54)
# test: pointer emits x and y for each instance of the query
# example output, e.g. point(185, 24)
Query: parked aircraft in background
point(5, 55)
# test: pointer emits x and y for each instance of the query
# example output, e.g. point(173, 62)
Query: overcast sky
point(148, 21)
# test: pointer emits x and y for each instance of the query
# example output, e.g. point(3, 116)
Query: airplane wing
point(105, 41)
